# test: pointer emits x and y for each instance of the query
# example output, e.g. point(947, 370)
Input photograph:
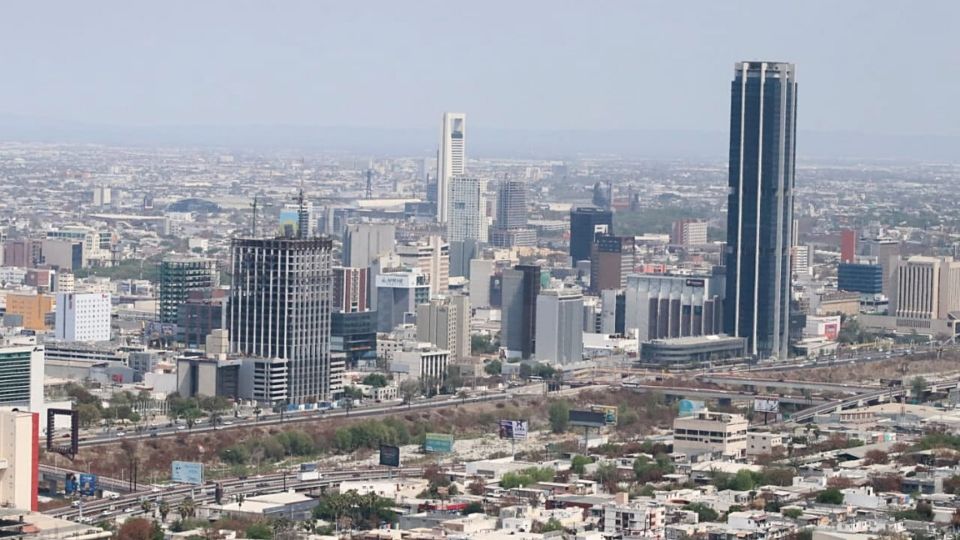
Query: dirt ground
point(926, 365)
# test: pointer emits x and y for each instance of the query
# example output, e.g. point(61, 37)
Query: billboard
point(689, 407)
point(389, 455)
point(438, 442)
point(609, 412)
point(187, 472)
point(88, 485)
point(70, 484)
point(513, 429)
point(588, 419)
point(766, 405)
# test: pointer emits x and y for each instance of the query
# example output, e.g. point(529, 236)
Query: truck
point(308, 471)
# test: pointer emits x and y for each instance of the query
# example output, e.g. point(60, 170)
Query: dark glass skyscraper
point(584, 224)
point(760, 205)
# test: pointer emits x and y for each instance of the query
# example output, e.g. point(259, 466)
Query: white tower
point(451, 160)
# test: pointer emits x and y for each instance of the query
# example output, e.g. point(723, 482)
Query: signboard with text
point(187, 472)
point(513, 429)
point(438, 443)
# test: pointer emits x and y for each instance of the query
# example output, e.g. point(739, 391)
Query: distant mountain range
point(483, 141)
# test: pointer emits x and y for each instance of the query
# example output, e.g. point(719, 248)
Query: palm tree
point(463, 396)
point(187, 508)
point(164, 509)
point(146, 505)
point(257, 412)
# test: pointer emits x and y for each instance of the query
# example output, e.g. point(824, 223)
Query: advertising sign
point(70, 484)
point(766, 405)
point(690, 407)
point(389, 455)
point(609, 412)
point(513, 429)
point(187, 472)
point(438, 443)
point(88, 485)
point(588, 419)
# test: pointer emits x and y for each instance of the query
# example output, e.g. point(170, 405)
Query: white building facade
point(83, 316)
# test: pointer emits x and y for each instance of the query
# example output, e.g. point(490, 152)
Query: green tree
point(88, 414)
point(830, 496)
point(579, 464)
point(559, 414)
point(376, 380)
point(474, 507)
point(792, 513)
point(164, 509)
point(552, 524)
point(493, 367)
point(260, 530)
point(704, 512)
point(352, 392)
point(187, 508)
point(918, 386)
point(409, 390)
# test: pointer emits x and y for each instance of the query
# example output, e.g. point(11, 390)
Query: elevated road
point(757, 382)
point(710, 393)
point(870, 398)
point(101, 438)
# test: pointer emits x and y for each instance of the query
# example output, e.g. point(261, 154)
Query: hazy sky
point(870, 66)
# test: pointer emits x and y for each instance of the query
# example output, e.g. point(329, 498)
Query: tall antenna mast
point(254, 224)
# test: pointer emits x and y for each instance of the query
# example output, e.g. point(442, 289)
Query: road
point(130, 504)
point(100, 438)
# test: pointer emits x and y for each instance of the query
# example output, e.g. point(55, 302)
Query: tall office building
point(353, 326)
point(430, 256)
point(760, 205)
point(660, 306)
point(468, 205)
point(450, 160)
point(521, 285)
point(848, 245)
point(585, 224)
point(612, 260)
point(445, 323)
point(21, 374)
point(510, 227)
point(179, 276)
point(398, 295)
point(363, 243)
point(83, 316)
point(928, 288)
point(351, 289)
point(560, 323)
point(280, 308)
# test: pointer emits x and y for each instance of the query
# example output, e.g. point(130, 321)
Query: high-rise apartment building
point(451, 160)
point(585, 224)
point(560, 325)
point(521, 285)
point(468, 206)
point(760, 205)
point(83, 316)
point(20, 455)
point(689, 232)
point(612, 260)
point(179, 276)
point(432, 258)
point(280, 308)
point(445, 322)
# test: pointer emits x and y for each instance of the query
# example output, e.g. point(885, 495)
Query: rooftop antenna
point(303, 218)
point(254, 224)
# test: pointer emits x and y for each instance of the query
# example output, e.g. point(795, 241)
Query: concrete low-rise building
point(708, 432)
point(692, 351)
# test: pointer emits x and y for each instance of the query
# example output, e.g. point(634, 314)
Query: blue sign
point(70, 485)
point(187, 472)
point(88, 484)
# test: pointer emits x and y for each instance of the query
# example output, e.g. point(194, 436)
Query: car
point(114, 496)
point(153, 434)
point(121, 434)
point(228, 423)
point(181, 427)
point(128, 509)
point(105, 513)
point(75, 504)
